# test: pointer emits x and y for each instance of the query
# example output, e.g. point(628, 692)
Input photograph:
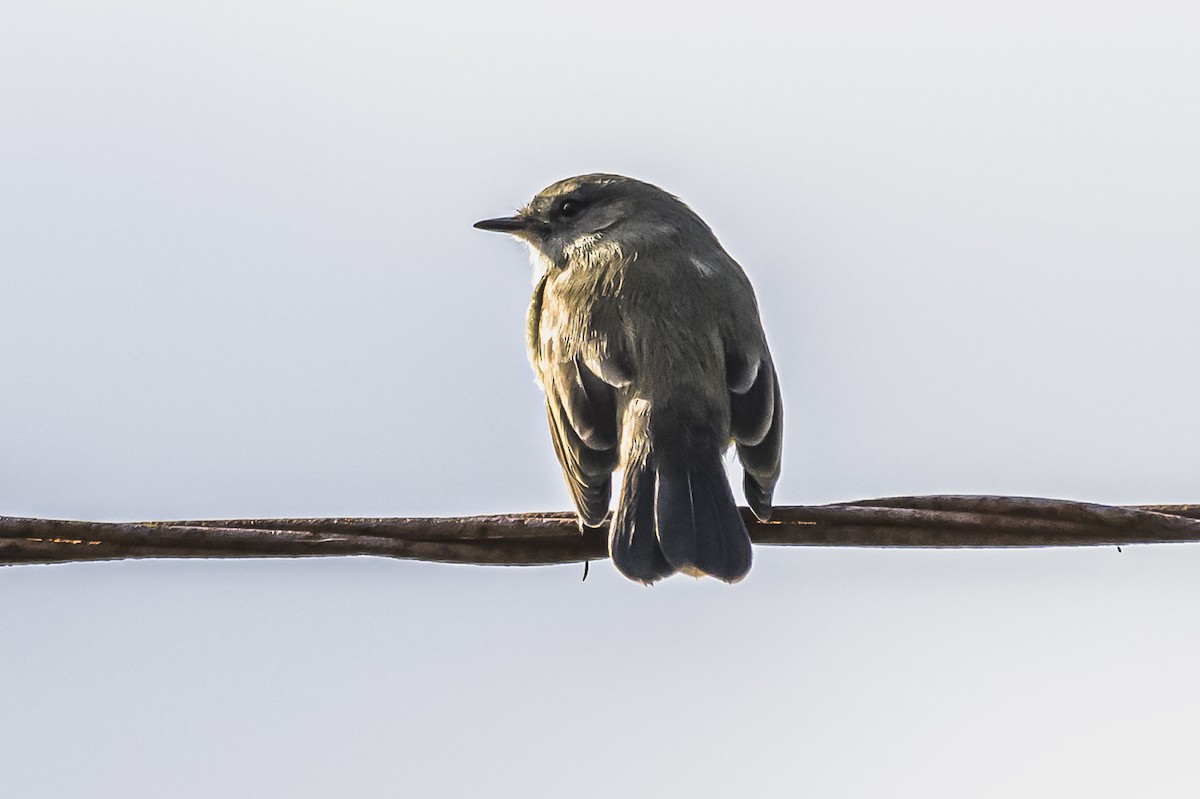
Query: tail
point(678, 514)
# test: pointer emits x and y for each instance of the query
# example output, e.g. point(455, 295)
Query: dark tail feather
point(632, 540)
point(699, 527)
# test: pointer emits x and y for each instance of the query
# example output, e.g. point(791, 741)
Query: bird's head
point(577, 213)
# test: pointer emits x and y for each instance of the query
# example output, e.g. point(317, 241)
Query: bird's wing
point(756, 424)
point(581, 409)
point(583, 423)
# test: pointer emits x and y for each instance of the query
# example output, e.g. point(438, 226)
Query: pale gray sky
point(239, 279)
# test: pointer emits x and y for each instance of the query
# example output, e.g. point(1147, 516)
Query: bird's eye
point(569, 208)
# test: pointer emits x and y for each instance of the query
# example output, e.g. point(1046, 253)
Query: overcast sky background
point(238, 278)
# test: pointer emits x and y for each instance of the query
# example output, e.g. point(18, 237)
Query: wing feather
point(583, 424)
point(756, 424)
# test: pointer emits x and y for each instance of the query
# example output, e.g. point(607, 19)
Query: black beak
point(505, 224)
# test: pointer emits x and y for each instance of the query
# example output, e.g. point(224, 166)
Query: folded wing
point(756, 425)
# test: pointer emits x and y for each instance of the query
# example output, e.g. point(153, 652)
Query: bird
point(645, 336)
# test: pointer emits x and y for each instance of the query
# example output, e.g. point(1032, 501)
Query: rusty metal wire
point(542, 538)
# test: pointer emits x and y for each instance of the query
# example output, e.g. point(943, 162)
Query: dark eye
point(569, 208)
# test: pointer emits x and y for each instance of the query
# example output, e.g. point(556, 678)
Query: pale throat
point(588, 249)
point(538, 261)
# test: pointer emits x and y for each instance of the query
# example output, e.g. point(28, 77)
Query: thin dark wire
point(542, 538)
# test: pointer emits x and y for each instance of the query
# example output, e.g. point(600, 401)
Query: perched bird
point(645, 336)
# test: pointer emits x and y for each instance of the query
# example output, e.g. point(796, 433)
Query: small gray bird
point(645, 336)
